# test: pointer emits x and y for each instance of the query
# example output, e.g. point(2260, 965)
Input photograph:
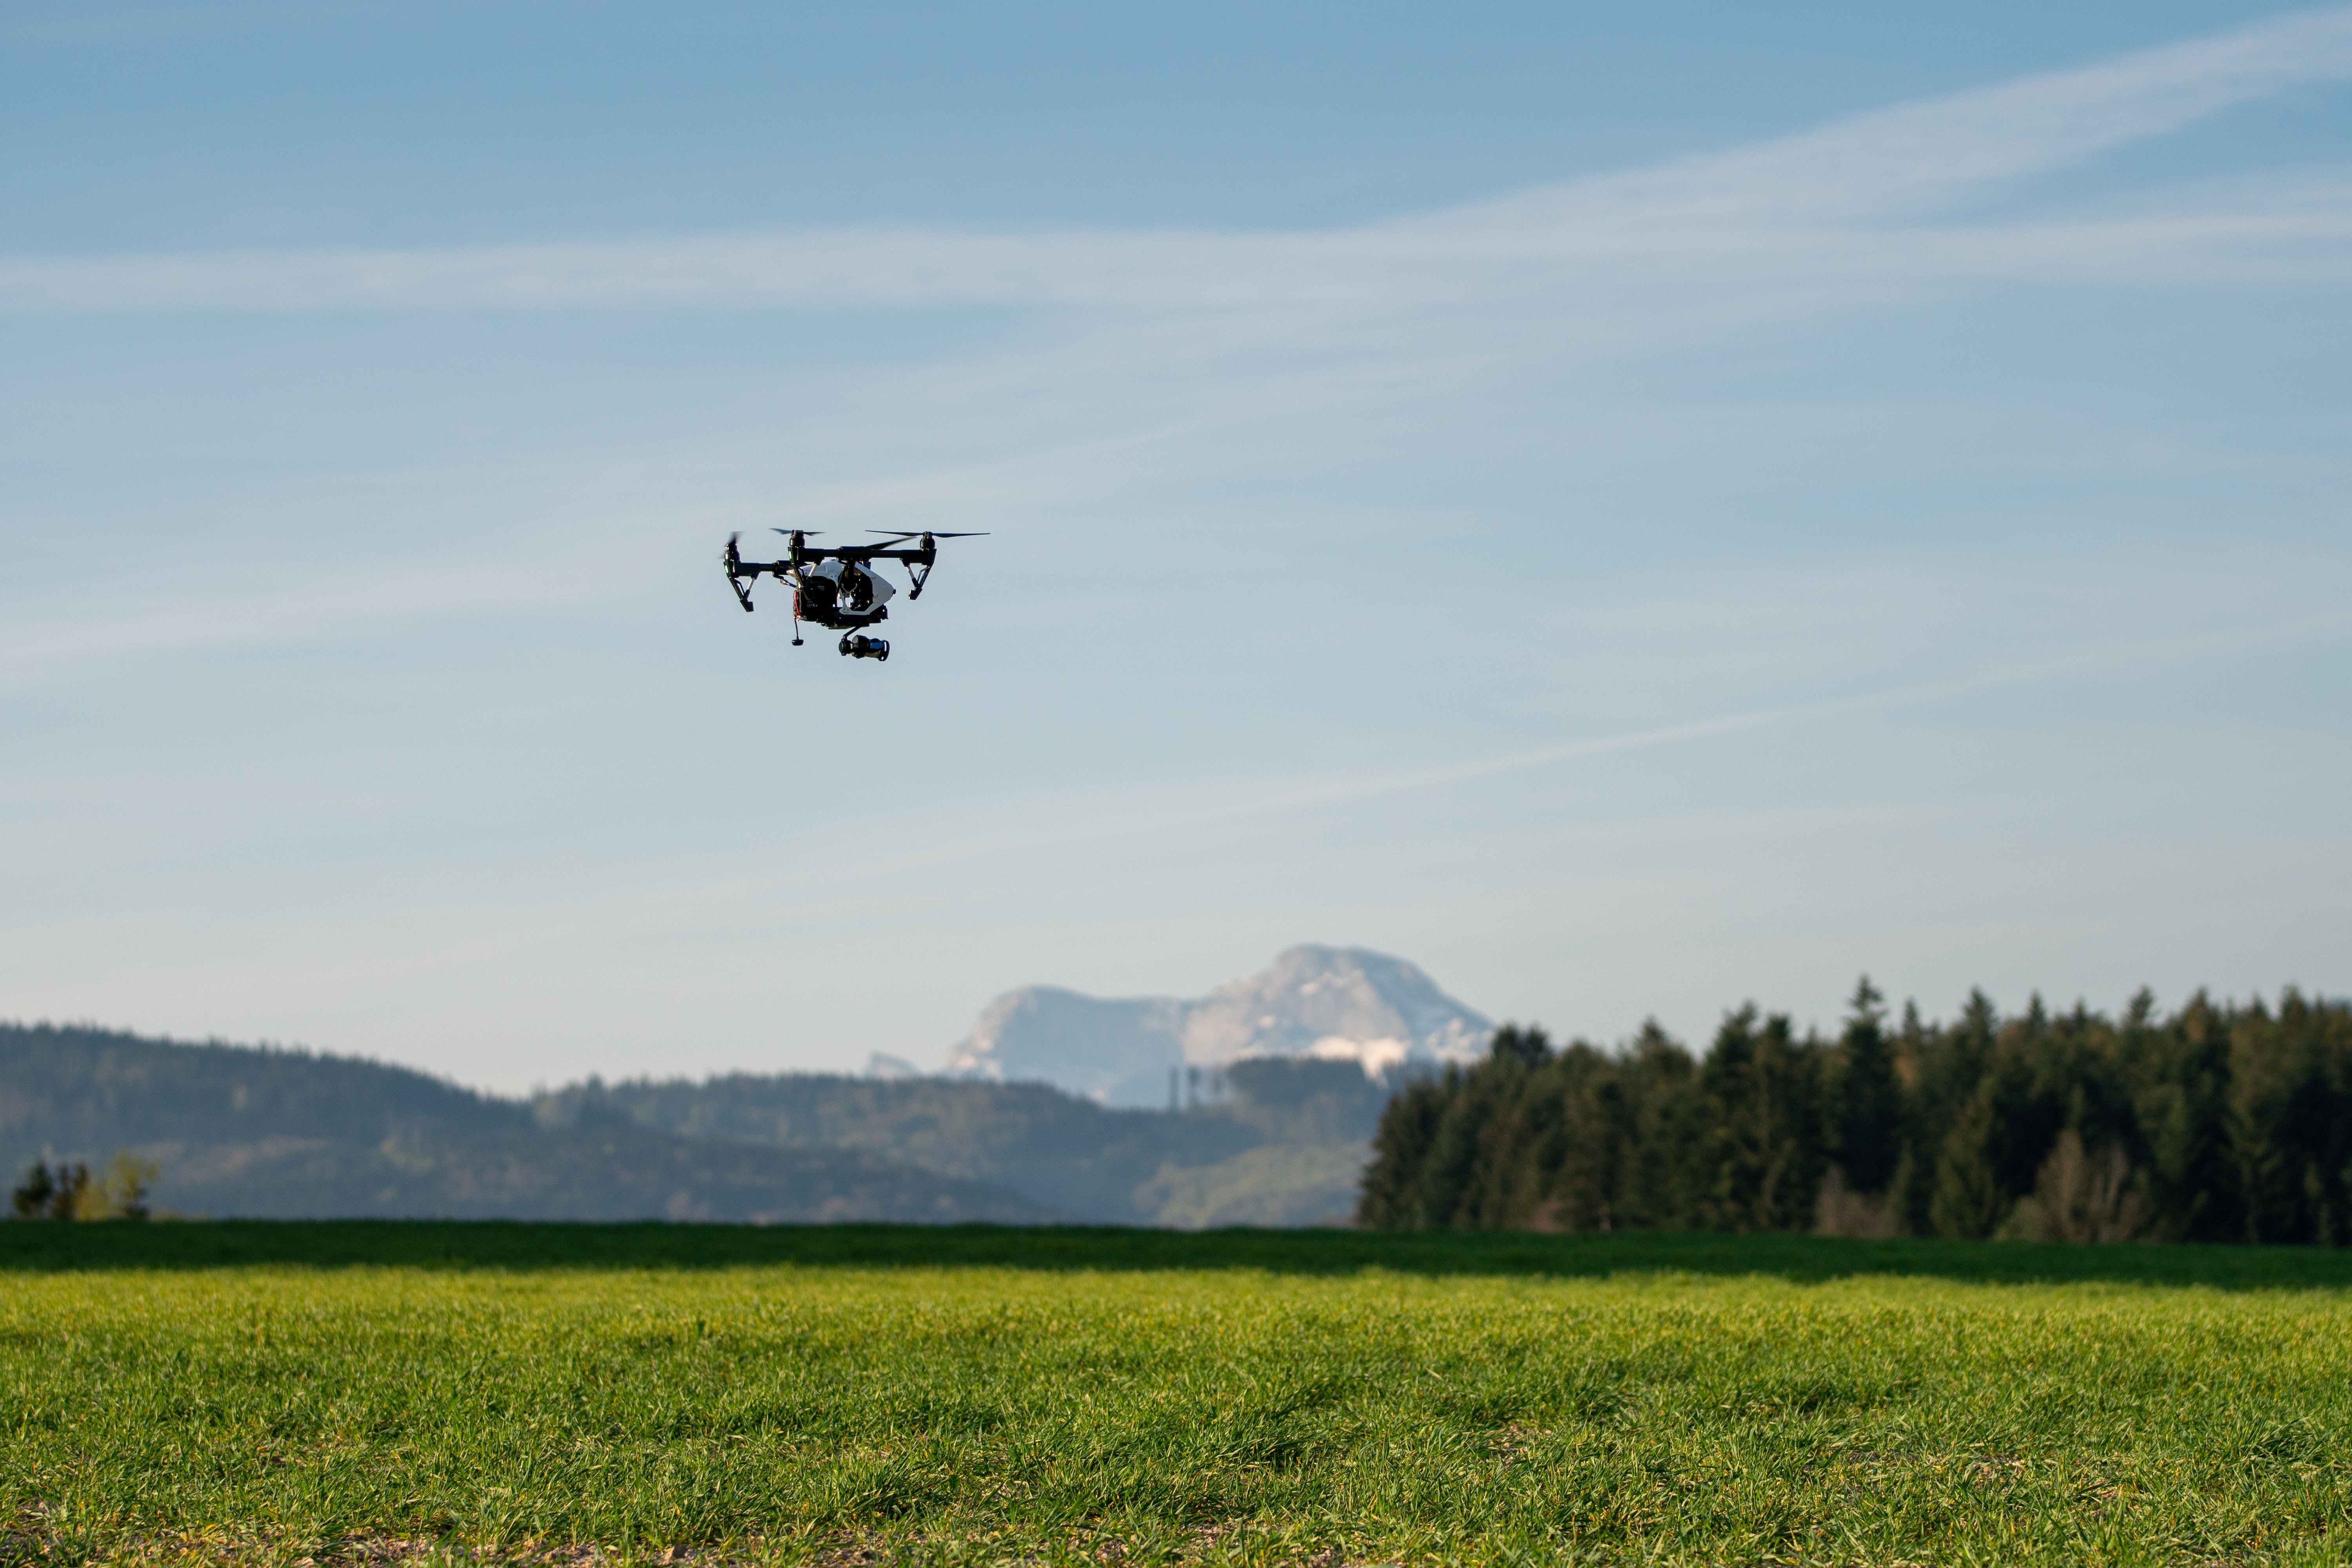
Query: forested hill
point(1283, 1143)
point(2217, 1122)
point(245, 1130)
point(81, 1087)
point(238, 1130)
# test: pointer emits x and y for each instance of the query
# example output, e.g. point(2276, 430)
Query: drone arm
point(742, 574)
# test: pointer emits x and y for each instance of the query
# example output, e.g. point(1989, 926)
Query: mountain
point(1119, 1053)
point(1333, 1004)
point(239, 1131)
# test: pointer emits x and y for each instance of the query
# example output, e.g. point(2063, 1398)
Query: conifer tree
point(1869, 1098)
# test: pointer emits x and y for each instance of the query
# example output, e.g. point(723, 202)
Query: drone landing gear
point(858, 646)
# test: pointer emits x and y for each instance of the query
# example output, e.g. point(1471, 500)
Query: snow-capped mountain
point(1342, 1003)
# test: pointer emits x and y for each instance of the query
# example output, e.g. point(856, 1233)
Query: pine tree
point(1869, 1097)
point(1400, 1148)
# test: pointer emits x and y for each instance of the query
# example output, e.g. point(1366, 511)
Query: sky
point(1632, 509)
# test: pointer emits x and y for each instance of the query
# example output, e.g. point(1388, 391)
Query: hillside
point(261, 1132)
point(276, 1134)
point(1283, 1145)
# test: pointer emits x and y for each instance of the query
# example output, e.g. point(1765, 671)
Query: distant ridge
point(265, 1132)
point(272, 1133)
point(1344, 1004)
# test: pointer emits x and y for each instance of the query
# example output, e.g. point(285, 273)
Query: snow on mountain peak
point(1338, 1003)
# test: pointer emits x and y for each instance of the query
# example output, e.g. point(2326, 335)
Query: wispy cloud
point(1843, 203)
point(1911, 158)
point(1155, 815)
point(74, 644)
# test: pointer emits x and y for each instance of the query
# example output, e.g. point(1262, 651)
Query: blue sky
point(1632, 510)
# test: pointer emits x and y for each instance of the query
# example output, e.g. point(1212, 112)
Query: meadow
point(272, 1393)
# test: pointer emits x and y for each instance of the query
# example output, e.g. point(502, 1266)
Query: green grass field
point(271, 1392)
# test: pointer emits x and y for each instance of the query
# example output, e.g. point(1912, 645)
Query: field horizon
point(181, 1244)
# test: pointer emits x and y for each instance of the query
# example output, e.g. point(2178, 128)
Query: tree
point(1528, 1046)
point(1869, 1095)
point(1762, 1151)
point(2184, 1110)
point(67, 1191)
point(47, 1193)
point(1993, 1155)
point(1401, 1149)
point(123, 1192)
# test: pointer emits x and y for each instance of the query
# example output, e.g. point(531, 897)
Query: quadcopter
point(840, 587)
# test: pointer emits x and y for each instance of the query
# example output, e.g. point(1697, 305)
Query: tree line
point(2218, 1122)
point(68, 1190)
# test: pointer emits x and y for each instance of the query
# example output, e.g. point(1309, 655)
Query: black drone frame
point(800, 556)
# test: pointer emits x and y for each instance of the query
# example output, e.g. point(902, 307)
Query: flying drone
point(839, 588)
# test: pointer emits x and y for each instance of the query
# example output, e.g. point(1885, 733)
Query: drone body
point(840, 588)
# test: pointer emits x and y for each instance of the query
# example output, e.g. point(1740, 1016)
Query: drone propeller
point(923, 533)
point(804, 532)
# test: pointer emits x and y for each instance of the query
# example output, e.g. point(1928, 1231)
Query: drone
point(839, 588)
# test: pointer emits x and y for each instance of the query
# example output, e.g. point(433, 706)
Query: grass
point(277, 1391)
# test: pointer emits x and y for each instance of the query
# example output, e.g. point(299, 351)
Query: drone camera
point(862, 646)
